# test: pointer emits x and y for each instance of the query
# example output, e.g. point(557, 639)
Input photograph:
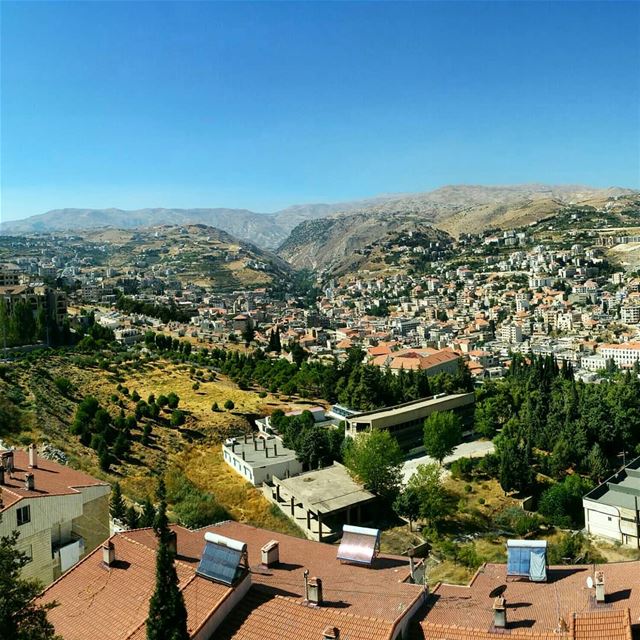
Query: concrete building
point(624, 355)
point(612, 510)
point(53, 301)
point(405, 421)
point(511, 333)
point(630, 314)
point(9, 275)
point(60, 513)
point(321, 502)
point(260, 458)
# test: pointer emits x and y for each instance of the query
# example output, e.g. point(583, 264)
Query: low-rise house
point(61, 514)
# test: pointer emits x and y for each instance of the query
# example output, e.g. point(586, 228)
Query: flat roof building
point(260, 458)
point(320, 502)
point(405, 421)
point(612, 509)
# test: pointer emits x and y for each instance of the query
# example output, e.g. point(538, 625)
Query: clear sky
point(262, 105)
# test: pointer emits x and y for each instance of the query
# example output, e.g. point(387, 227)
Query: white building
point(511, 333)
point(259, 458)
point(612, 510)
point(624, 355)
point(630, 314)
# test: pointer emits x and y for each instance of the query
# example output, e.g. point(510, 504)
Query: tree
point(215, 407)
point(248, 333)
point(21, 618)
point(442, 432)
point(177, 418)
point(172, 400)
point(148, 513)
point(117, 507)
point(132, 517)
point(229, 405)
point(167, 612)
point(376, 459)
point(426, 482)
point(407, 504)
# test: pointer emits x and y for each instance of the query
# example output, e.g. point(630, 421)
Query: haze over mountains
point(308, 235)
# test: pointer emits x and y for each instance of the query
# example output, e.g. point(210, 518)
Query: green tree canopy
point(376, 459)
point(442, 432)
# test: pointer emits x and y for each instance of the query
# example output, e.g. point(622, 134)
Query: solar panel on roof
point(359, 545)
point(221, 563)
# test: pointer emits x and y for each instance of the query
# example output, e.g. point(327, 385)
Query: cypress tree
point(117, 507)
point(167, 612)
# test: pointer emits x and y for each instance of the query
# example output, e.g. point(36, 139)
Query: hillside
point(357, 242)
point(452, 208)
point(193, 254)
point(335, 243)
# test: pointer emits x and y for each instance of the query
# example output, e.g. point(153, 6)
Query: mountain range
point(321, 235)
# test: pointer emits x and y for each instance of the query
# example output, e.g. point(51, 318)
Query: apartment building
point(624, 355)
point(61, 514)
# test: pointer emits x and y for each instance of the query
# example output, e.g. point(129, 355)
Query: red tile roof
point(537, 606)
point(51, 479)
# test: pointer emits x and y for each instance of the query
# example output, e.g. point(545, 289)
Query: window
point(28, 552)
point(24, 515)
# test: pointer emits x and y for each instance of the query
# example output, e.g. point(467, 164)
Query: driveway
point(475, 449)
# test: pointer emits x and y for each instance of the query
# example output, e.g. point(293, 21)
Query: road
point(475, 449)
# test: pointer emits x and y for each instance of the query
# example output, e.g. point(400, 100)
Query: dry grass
point(205, 467)
point(195, 447)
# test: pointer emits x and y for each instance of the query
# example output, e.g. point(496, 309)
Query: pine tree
point(148, 513)
point(167, 612)
point(117, 507)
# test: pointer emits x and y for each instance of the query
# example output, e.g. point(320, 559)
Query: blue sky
point(262, 105)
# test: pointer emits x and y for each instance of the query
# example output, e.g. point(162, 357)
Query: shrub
point(262, 394)
point(195, 386)
point(135, 396)
point(63, 385)
point(229, 405)
point(177, 418)
point(195, 508)
point(173, 400)
point(215, 407)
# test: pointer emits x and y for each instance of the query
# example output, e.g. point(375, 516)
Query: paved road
point(475, 449)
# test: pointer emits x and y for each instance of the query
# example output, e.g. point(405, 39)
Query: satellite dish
point(498, 591)
point(589, 582)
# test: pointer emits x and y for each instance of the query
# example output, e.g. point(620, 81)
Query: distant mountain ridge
point(453, 208)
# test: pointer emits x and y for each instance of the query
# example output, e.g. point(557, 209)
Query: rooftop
point(111, 603)
point(620, 490)
point(534, 608)
point(327, 490)
point(260, 452)
point(50, 479)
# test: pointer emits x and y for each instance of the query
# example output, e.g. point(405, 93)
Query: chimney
point(315, 592)
point(172, 542)
point(412, 565)
point(1, 474)
point(270, 553)
point(600, 593)
point(33, 456)
point(500, 613)
point(29, 482)
point(331, 633)
point(108, 554)
point(7, 460)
